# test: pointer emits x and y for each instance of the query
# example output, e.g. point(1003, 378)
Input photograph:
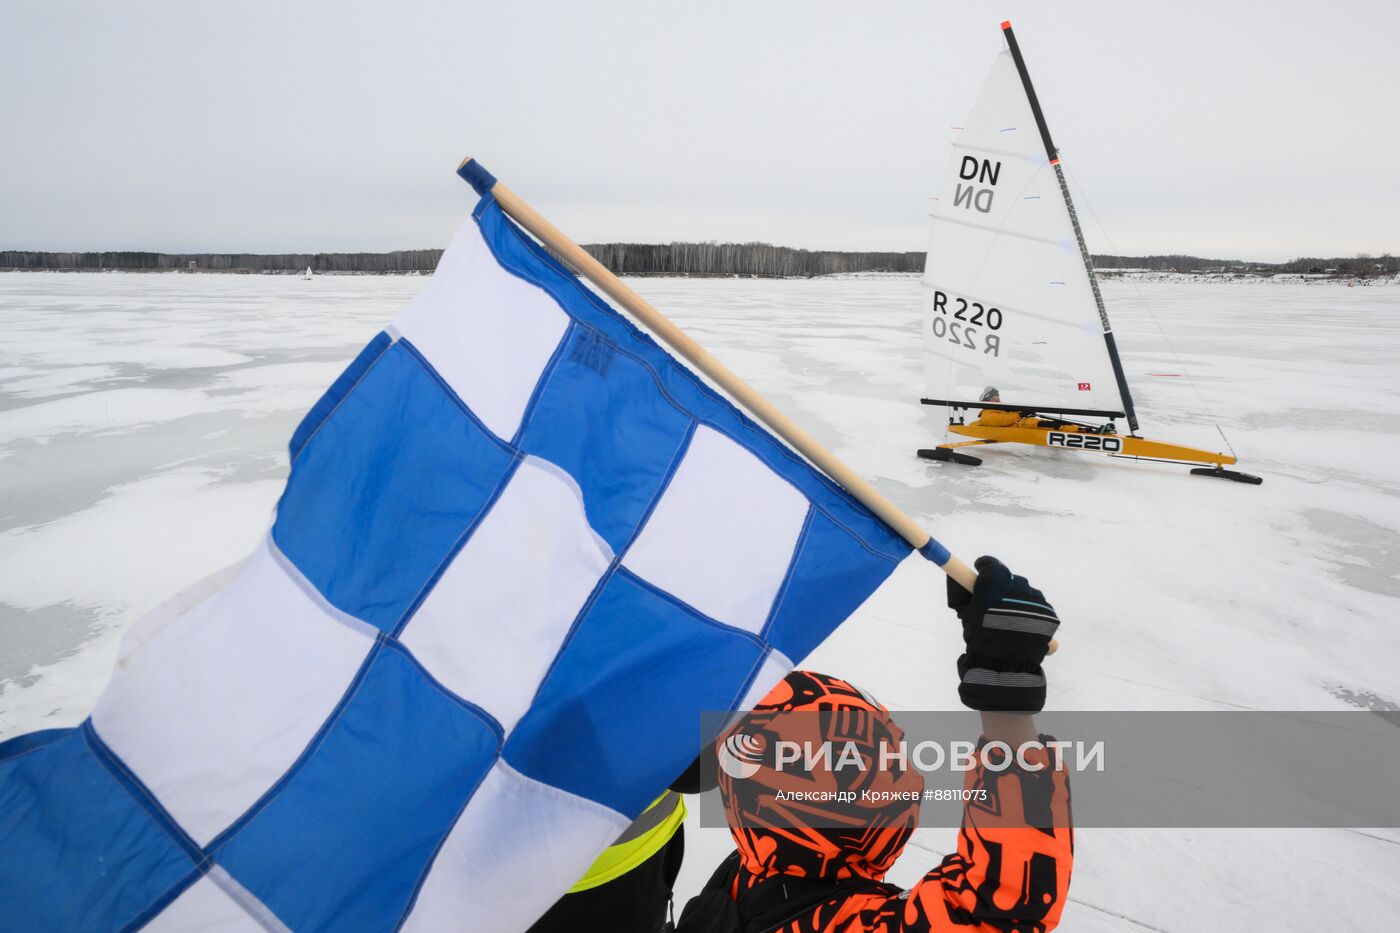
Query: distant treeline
point(1361, 265)
point(757, 259)
point(406, 260)
point(746, 259)
point(743, 259)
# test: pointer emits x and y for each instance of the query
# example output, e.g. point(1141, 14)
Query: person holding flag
point(1015, 849)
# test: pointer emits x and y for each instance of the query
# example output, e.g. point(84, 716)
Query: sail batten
point(1005, 153)
point(1053, 321)
point(954, 219)
point(1011, 301)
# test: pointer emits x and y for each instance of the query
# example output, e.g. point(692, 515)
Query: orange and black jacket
point(1010, 874)
point(1007, 876)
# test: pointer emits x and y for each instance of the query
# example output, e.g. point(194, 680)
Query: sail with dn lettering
point(1007, 299)
point(1014, 325)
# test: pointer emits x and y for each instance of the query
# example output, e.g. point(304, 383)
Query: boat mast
point(1053, 156)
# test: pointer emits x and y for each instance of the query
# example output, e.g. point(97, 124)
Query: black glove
point(1007, 625)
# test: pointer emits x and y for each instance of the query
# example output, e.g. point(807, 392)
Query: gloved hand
point(1007, 626)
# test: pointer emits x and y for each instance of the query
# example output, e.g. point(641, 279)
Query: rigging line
point(1084, 199)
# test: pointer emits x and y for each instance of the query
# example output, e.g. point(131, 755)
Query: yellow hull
point(1073, 437)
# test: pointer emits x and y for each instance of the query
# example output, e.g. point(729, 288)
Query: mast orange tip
point(1006, 24)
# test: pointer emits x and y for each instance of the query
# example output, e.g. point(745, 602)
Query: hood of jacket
point(838, 814)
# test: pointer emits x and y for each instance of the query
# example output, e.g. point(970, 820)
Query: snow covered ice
point(143, 430)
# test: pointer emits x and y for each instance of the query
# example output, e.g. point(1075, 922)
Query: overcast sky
point(1252, 130)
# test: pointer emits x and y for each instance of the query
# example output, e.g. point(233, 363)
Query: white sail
point(1009, 301)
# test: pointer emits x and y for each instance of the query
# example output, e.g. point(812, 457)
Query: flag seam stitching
point(750, 427)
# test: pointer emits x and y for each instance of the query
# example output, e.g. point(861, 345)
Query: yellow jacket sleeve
point(995, 418)
point(643, 839)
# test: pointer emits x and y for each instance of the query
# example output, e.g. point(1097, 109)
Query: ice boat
point(1015, 331)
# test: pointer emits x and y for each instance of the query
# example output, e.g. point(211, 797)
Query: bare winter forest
point(761, 260)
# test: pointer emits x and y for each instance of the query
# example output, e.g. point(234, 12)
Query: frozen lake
point(143, 430)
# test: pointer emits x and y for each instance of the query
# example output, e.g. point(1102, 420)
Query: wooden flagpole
point(762, 409)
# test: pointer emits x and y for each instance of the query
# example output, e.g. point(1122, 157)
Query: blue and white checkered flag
point(520, 550)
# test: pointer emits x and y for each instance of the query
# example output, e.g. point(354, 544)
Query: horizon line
point(1296, 257)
